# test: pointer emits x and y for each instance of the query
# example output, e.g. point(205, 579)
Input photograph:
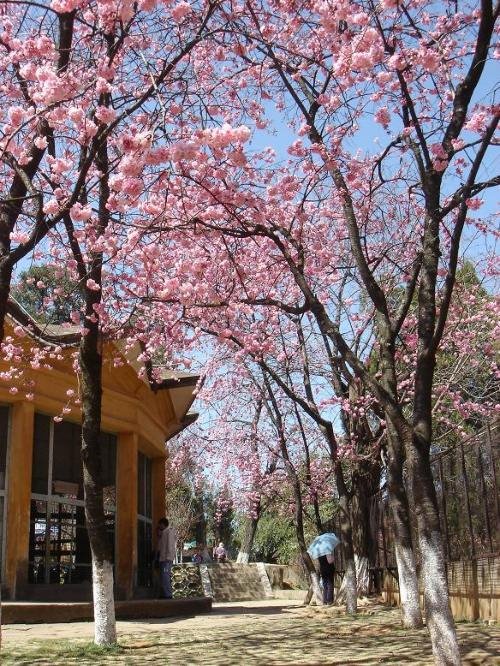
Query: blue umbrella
point(324, 544)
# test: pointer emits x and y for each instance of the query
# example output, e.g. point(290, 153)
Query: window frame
point(147, 475)
point(52, 499)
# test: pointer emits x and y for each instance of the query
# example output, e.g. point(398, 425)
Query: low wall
point(40, 612)
point(286, 577)
point(474, 587)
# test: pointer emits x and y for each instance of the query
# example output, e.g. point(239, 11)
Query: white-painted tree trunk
point(437, 606)
point(104, 604)
point(317, 596)
point(243, 557)
point(362, 564)
point(348, 590)
point(314, 596)
point(409, 597)
point(351, 593)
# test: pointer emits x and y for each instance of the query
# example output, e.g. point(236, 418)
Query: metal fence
point(466, 478)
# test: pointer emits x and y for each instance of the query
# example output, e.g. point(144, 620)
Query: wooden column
point(126, 514)
point(158, 490)
point(20, 458)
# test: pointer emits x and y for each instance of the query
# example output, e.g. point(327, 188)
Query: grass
point(48, 651)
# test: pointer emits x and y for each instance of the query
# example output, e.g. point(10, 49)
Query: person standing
point(220, 553)
point(326, 571)
point(166, 555)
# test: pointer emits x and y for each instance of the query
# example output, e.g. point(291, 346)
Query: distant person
point(326, 571)
point(205, 555)
point(166, 555)
point(155, 561)
point(197, 557)
point(220, 553)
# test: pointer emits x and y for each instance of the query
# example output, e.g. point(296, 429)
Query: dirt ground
point(253, 633)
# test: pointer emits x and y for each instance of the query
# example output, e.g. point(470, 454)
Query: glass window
point(41, 444)
point(144, 524)
point(67, 471)
point(144, 486)
point(108, 467)
point(62, 542)
point(4, 434)
point(59, 548)
point(37, 543)
point(144, 553)
point(1, 533)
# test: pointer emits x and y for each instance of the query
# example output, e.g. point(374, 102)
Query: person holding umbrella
point(322, 549)
point(326, 572)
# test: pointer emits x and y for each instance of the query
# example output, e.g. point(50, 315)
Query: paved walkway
point(254, 633)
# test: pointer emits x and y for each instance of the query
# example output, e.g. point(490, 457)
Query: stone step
point(27, 612)
point(236, 582)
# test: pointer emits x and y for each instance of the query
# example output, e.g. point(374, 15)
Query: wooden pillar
point(158, 490)
point(126, 514)
point(20, 459)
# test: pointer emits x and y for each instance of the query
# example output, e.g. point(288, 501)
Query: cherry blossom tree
point(365, 241)
point(417, 68)
point(231, 443)
point(413, 53)
point(85, 84)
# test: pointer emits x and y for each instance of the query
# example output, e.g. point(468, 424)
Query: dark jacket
point(326, 568)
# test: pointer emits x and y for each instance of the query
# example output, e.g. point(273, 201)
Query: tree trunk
point(362, 569)
point(314, 594)
point(418, 446)
point(293, 479)
point(411, 615)
point(349, 585)
point(365, 481)
point(247, 543)
point(5, 280)
point(104, 602)
point(361, 543)
point(403, 545)
point(436, 597)
point(349, 581)
point(102, 565)
point(305, 557)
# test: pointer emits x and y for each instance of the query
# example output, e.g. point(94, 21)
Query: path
point(254, 633)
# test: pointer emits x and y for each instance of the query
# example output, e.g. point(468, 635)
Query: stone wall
point(286, 577)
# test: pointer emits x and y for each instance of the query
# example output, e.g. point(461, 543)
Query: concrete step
point(236, 582)
point(28, 612)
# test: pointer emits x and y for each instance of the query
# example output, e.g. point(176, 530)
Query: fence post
point(485, 497)
point(443, 505)
point(467, 500)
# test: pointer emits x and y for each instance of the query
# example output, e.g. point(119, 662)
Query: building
point(44, 548)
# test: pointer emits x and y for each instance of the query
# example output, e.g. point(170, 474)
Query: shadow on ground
point(272, 636)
